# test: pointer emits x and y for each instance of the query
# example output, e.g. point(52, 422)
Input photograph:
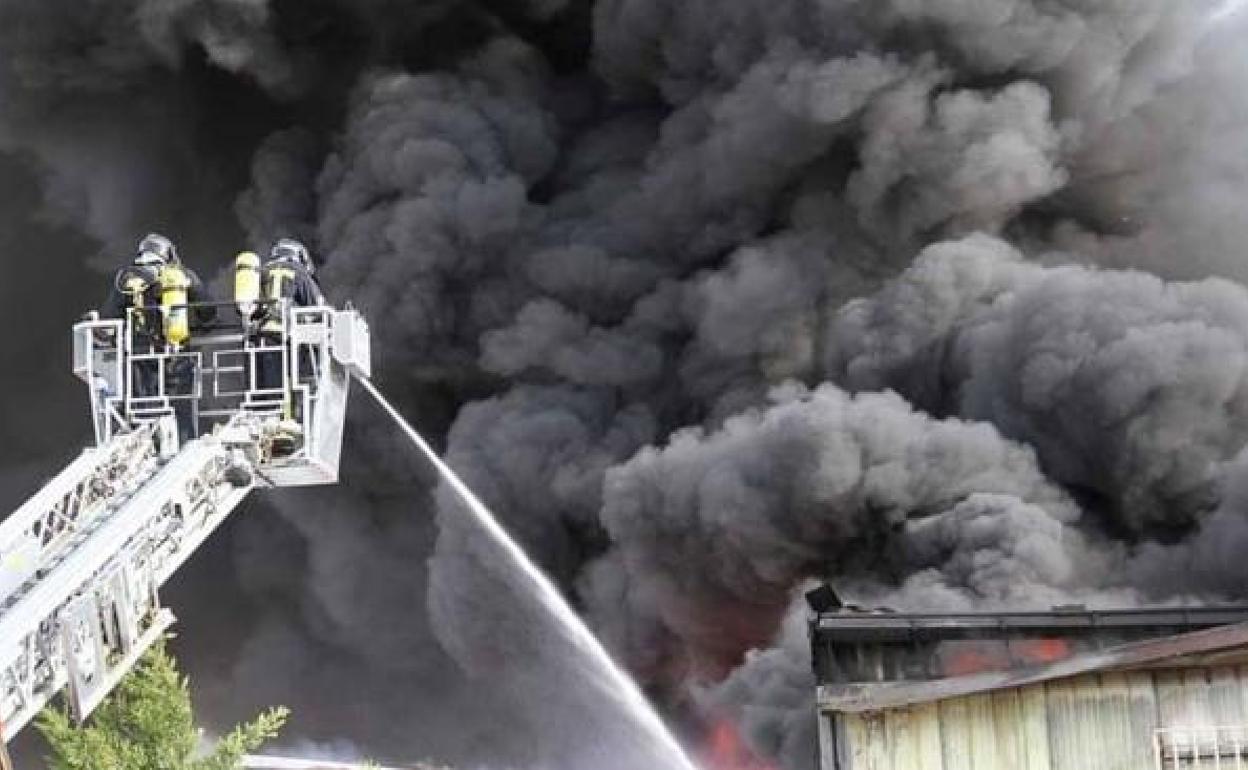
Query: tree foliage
point(147, 724)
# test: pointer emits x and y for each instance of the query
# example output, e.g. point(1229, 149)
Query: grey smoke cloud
point(962, 161)
point(104, 97)
point(717, 528)
point(770, 696)
point(282, 200)
point(1127, 386)
point(424, 170)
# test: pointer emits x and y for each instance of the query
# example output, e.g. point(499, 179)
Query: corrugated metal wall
point(1095, 722)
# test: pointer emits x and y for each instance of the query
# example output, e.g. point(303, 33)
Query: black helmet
point(155, 249)
point(290, 250)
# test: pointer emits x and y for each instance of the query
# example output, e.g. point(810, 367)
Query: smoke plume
point(942, 301)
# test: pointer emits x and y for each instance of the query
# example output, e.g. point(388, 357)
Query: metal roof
point(1222, 645)
point(888, 627)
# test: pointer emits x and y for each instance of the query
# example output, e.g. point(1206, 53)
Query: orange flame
point(977, 657)
point(725, 749)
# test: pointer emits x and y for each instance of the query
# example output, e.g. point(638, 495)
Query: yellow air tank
point(247, 283)
point(174, 294)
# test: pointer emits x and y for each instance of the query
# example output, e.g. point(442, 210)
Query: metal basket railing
point(216, 373)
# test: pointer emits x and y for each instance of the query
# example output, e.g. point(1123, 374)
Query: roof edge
point(854, 698)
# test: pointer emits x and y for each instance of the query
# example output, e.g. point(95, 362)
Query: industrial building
point(1070, 689)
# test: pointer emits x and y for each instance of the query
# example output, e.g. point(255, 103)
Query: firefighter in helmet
point(290, 274)
point(262, 293)
point(136, 288)
point(155, 292)
point(135, 296)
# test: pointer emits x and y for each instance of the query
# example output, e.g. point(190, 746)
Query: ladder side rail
point(88, 558)
point(32, 537)
point(20, 521)
point(94, 469)
point(169, 553)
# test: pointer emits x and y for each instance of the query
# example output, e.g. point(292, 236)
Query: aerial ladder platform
point(182, 436)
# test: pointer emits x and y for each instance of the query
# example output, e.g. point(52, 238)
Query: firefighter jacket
point(282, 279)
point(139, 289)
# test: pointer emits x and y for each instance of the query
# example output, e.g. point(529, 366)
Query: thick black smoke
point(1132, 389)
point(711, 533)
point(645, 267)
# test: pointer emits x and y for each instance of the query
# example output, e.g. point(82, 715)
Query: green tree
point(147, 724)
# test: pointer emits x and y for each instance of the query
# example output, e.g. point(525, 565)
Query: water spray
point(1227, 10)
point(630, 696)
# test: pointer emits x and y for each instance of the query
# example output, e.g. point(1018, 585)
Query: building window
point(1198, 748)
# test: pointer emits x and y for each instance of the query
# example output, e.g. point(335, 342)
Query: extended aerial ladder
point(181, 437)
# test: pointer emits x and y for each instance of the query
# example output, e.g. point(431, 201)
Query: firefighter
point(290, 275)
point(287, 279)
point(185, 305)
point(136, 295)
point(154, 292)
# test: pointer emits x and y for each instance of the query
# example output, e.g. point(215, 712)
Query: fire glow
point(725, 749)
